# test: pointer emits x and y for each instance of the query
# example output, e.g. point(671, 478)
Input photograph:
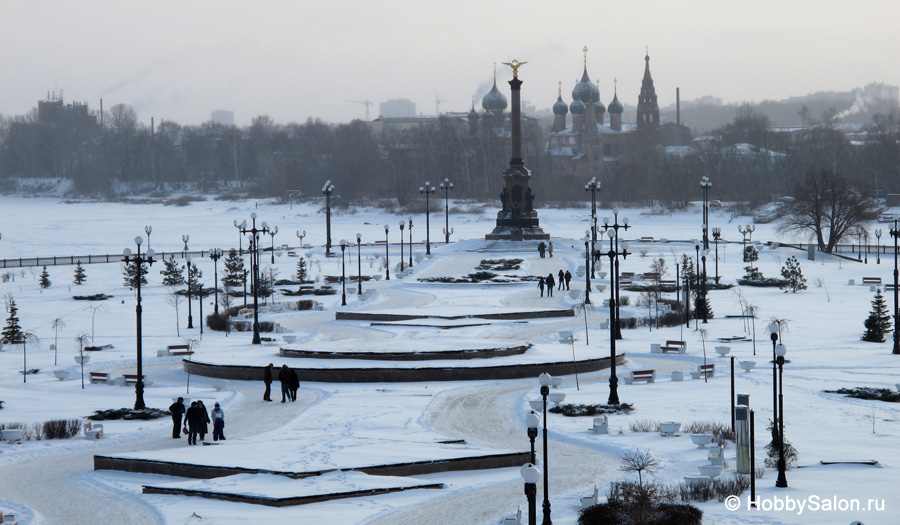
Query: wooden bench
point(332, 279)
point(99, 377)
point(177, 350)
point(667, 283)
point(641, 375)
point(704, 371)
point(674, 347)
point(889, 287)
point(646, 239)
point(131, 379)
point(871, 280)
point(93, 431)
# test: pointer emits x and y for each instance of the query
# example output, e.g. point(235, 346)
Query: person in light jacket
point(218, 418)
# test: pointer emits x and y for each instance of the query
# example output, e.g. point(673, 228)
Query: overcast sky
point(295, 60)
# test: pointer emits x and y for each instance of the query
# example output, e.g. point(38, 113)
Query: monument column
point(515, 118)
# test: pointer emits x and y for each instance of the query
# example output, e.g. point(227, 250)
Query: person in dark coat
point(194, 419)
point(562, 278)
point(204, 421)
point(568, 278)
point(541, 285)
point(550, 284)
point(267, 379)
point(177, 411)
point(295, 384)
point(218, 417)
point(284, 376)
point(542, 248)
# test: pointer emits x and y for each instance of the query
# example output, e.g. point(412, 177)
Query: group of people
point(549, 282)
point(544, 249)
point(289, 380)
point(195, 421)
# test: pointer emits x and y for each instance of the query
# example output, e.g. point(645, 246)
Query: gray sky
point(293, 60)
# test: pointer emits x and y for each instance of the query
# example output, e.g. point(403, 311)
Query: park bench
point(591, 500)
point(674, 347)
point(646, 239)
point(641, 375)
point(332, 279)
point(99, 377)
point(871, 280)
point(601, 425)
point(704, 371)
point(131, 379)
point(889, 287)
point(667, 283)
point(179, 350)
point(93, 431)
point(514, 519)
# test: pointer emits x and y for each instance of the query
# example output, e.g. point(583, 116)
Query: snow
point(339, 426)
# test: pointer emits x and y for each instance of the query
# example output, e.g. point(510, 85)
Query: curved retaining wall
point(479, 353)
point(404, 375)
point(365, 316)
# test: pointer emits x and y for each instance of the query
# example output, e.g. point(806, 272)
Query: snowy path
point(487, 416)
point(70, 495)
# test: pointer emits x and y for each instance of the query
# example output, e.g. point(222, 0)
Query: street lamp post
point(717, 235)
point(272, 233)
point(859, 234)
point(866, 238)
point(446, 186)
point(545, 380)
point(773, 331)
point(138, 260)
point(185, 238)
point(781, 482)
point(358, 265)
point(532, 421)
point(147, 230)
point(615, 226)
point(327, 189)
point(301, 236)
point(215, 254)
point(895, 232)
point(240, 226)
point(878, 246)
point(410, 242)
point(387, 266)
point(705, 185)
point(254, 272)
point(190, 323)
point(587, 262)
point(343, 274)
point(593, 186)
point(613, 255)
point(531, 475)
point(402, 225)
point(428, 190)
point(745, 232)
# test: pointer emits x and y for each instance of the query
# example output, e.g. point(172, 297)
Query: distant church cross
point(585, 55)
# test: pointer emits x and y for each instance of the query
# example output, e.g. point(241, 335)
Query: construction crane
point(437, 104)
point(366, 102)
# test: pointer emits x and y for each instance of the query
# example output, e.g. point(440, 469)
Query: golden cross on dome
point(515, 65)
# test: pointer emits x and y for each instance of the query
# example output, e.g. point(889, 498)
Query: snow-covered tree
point(793, 277)
point(234, 269)
point(45, 278)
point(879, 321)
point(80, 277)
point(12, 332)
point(172, 273)
point(130, 273)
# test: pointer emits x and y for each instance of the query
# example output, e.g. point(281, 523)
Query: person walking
point(542, 248)
point(568, 278)
point(561, 277)
point(295, 384)
point(550, 284)
point(541, 285)
point(267, 379)
point(193, 418)
point(218, 418)
point(550, 248)
point(203, 429)
point(284, 376)
point(177, 411)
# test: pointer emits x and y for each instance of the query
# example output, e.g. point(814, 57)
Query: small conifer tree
point(80, 277)
point(751, 255)
point(793, 277)
point(130, 274)
point(171, 272)
point(234, 269)
point(12, 332)
point(45, 278)
point(879, 321)
point(195, 276)
point(302, 272)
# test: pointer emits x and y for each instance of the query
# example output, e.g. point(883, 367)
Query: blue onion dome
point(560, 107)
point(577, 107)
point(494, 100)
point(599, 108)
point(615, 107)
point(586, 90)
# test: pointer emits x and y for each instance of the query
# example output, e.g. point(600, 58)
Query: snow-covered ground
point(353, 425)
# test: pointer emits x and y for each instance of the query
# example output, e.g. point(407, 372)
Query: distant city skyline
point(294, 61)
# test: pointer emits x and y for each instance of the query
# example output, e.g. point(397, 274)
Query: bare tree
point(56, 325)
point(174, 300)
point(82, 340)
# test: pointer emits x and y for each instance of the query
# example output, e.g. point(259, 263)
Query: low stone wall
point(405, 375)
point(474, 353)
point(366, 316)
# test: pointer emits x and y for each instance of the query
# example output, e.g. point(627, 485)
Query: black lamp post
point(387, 266)
point(705, 185)
point(428, 190)
point(717, 235)
point(446, 186)
point(301, 236)
point(781, 482)
point(326, 191)
point(593, 186)
point(859, 234)
point(190, 323)
point(773, 331)
point(343, 274)
point(532, 421)
point(545, 380)
point(147, 230)
point(531, 475)
point(878, 246)
point(866, 238)
point(185, 238)
point(410, 242)
point(215, 254)
point(272, 233)
point(358, 265)
point(240, 226)
point(614, 238)
point(254, 272)
point(402, 225)
point(587, 262)
point(895, 232)
point(613, 255)
point(745, 232)
point(138, 261)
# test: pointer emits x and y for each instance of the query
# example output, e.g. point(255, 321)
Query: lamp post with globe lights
point(147, 230)
point(717, 236)
point(705, 185)
point(532, 421)
point(402, 225)
point(878, 234)
point(446, 186)
point(773, 334)
point(781, 482)
point(587, 262)
point(254, 268)
point(272, 233)
point(614, 240)
point(185, 238)
point(301, 235)
point(545, 380)
point(531, 475)
point(593, 186)
point(139, 261)
point(747, 231)
point(613, 255)
point(327, 189)
point(190, 323)
point(343, 274)
point(410, 243)
point(215, 254)
point(240, 226)
point(358, 264)
point(387, 266)
point(895, 233)
point(428, 190)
